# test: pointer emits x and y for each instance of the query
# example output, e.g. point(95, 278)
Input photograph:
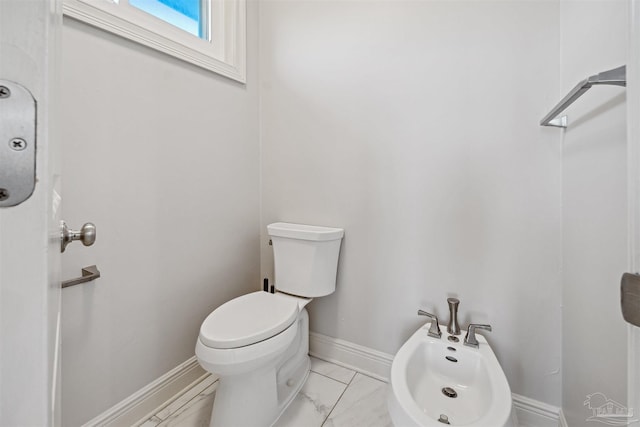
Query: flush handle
point(87, 235)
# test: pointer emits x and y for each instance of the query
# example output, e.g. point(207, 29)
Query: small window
point(207, 33)
point(189, 15)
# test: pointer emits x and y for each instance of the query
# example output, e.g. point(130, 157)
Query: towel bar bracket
point(559, 122)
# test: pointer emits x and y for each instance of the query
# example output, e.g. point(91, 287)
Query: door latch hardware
point(17, 143)
point(630, 298)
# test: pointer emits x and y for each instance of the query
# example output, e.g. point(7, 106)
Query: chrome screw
point(4, 194)
point(18, 144)
point(4, 92)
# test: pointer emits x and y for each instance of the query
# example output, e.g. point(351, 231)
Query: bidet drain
point(444, 419)
point(449, 392)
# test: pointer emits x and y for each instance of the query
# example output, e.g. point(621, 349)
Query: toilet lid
point(248, 319)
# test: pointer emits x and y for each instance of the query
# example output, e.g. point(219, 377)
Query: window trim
point(227, 57)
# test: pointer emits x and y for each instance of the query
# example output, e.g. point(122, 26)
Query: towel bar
point(615, 77)
point(88, 274)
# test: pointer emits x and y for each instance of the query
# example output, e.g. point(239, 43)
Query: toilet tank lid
point(304, 232)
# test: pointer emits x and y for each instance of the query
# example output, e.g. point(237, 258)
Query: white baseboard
point(563, 420)
point(371, 362)
point(530, 412)
point(533, 413)
point(143, 403)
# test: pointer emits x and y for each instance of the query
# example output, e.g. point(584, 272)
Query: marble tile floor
point(333, 396)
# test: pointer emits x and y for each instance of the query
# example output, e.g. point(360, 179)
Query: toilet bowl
point(436, 382)
point(258, 344)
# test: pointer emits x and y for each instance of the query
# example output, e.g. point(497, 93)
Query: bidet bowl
point(436, 380)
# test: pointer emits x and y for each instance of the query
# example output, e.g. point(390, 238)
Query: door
point(633, 137)
point(29, 231)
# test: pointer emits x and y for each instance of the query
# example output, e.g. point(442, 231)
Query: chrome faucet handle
point(434, 329)
point(470, 339)
point(453, 328)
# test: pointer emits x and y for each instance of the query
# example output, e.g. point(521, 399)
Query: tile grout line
point(338, 401)
point(373, 378)
point(354, 375)
point(176, 398)
point(185, 407)
point(334, 407)
point(331, 378)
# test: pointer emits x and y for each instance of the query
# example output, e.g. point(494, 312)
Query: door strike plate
point(630, 298)
point(17, 143)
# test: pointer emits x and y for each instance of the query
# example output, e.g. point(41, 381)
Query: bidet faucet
point(453, 328)
point(470, 339)
point(434, 329)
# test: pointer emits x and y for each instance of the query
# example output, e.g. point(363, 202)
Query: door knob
point(87, 235)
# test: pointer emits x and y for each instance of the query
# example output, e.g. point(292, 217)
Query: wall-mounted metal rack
point(615, 77)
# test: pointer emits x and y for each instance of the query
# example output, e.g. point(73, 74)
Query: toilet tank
point(305, 258)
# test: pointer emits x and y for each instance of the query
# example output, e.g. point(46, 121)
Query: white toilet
point(258, 344)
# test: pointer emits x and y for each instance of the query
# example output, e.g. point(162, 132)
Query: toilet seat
point(247, 320)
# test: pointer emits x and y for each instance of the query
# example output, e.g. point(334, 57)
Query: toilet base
point(258, 398)
point(245, 400)
point(290, 392)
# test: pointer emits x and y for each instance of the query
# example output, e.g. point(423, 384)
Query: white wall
point(414, 125)
point(164, 158)
point(594, 39)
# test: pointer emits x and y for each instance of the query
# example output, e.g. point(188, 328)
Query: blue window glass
point(189, 15)
point(189, 8)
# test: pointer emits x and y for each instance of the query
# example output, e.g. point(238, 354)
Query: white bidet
point(436, 381)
